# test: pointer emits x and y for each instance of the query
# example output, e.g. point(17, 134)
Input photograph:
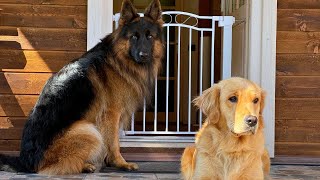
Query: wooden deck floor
point(154, 170)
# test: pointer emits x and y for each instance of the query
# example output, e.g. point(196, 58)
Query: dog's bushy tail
point(11, 164)
point(187, 164)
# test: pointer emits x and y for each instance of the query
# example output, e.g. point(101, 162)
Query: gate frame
point(263, 20)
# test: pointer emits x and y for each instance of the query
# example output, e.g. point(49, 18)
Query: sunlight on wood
point(30, 56)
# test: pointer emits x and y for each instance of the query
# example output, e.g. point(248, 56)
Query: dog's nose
point(251, 120)
point(143, 55)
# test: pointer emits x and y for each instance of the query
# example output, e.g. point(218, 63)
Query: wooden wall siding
point(298, 78)
point(299, 19)
point(37, 38)
point(46, 2)
point(298, 4)
point(47, 16)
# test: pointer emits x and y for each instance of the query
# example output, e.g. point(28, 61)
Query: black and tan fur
point(76, 120)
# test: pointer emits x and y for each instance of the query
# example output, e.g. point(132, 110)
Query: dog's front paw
point(120, 163)
point(129, 166)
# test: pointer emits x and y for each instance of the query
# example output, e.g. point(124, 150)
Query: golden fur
point(225, 147)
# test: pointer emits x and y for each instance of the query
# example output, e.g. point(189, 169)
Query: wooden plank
point(43, 21)
point(298, 4)
point(35, 61)
point(47, 16)
point(297, 108)
point(298, 64)
point(43, 39)
point(11, 127)
point(43, 10)
point(293, 160)
point(16, 105)
point(297, 149)
point(11, 134)
point(47, 2)
point(298, 20)
point(298, 86)
point(10, 145)
point(12, 122)
point(298, 42)
point(23, 83)
point(297, 131)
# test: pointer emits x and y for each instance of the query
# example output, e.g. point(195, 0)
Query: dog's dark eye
point(134, 37)
point(256, 100)
point(149, 37)
point(233, 99)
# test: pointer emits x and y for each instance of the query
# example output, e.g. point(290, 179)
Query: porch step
point(296, 160)
point(156, 157)
point(149, 167)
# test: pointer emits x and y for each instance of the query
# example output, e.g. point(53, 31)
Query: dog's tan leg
point(110, 131)
point(266, 164)
point(204, 168)
point(74, 152)
point(187, 163)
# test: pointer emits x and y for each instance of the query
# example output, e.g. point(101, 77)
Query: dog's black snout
point(143, 55)
point(251, 121)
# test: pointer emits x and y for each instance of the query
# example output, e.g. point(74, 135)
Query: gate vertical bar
point(226, 22)
point(132, 122)
point(212, 51)
point(178, 82)
point(189, 84)
point(167, 81)
point(144, 115)
point(201, 71)
point(155, 103)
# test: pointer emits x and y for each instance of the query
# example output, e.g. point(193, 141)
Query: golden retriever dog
point(230, 145)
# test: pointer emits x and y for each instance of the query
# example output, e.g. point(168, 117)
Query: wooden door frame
point(261, 52)
point(261, 67)
point(99, 20)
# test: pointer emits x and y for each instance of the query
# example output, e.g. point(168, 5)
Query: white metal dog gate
point(189, 22)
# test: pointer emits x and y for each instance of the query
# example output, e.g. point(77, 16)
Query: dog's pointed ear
point(153, 11)
point(209, 103)
point(127, 13)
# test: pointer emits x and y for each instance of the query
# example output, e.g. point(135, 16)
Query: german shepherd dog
point(75, 122)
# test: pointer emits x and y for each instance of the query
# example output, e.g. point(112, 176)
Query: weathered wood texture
point(298, 78)
point(23, 83)
point(46, 2)
point(298, 64)
point(298, 42)
point(35, 61)
point(298, 19)
point(37, 38)
point(46, 16)
point(297, 148)
point(298, 87)
point(298, 4)
point(27, 38)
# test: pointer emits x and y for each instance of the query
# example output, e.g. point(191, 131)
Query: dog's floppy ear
point(263, 96)
point(153, 11)
point(262, 101)
point(209, 104)
point(127, 13)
